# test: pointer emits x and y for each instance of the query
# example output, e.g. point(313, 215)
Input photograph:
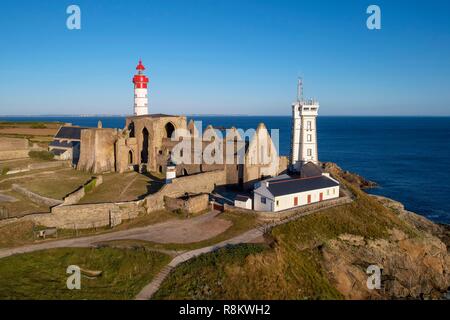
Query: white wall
point(302, 113)
point(259, 206)
point(287, 202)
point(243, 204)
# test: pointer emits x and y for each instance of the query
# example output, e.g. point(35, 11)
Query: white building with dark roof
point(285, 192)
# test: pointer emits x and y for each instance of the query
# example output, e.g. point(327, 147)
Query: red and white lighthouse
point(140, 91)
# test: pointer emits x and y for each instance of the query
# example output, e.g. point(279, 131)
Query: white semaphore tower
point(140, 91)
point(304, 132)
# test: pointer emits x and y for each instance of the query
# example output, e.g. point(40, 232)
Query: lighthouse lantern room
point(140, 91)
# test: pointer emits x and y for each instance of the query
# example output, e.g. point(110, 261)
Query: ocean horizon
point(407, 156)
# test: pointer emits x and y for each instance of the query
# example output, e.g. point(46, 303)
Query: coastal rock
point(351, 177)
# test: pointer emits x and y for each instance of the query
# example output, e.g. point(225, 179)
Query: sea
point(408, 157)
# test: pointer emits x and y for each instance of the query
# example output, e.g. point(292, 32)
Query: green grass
point(16, 234)
point(121, 187)
point(41, 155)
point(42, 274)
point(55, 184)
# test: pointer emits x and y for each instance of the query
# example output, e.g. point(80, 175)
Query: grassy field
point(35, 131)
point(121, 187)
point(22, 206)
point(52, 183)
point(42, 274)
point(16, 234)
point(291, 268)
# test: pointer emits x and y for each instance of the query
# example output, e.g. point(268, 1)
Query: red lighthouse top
point(140, 66)
point(140, 80)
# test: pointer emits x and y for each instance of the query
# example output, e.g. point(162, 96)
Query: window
point(308, 125)
point(309, 137)
point(263, 200)
point(328, 192)
point(309, 152)
point(278, 203)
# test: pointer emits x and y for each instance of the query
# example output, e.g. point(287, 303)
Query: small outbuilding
point(242, 201)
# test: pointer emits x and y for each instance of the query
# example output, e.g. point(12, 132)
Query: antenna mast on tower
point(299, 89)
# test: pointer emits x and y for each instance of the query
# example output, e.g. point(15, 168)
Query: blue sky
point(225, 56)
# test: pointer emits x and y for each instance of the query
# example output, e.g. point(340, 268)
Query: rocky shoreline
point(415, 264)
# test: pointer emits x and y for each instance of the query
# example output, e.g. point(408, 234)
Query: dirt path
point(173, 231)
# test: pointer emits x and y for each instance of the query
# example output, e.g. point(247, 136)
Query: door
point(309, 198)
point(321, 196)
point(295, 201)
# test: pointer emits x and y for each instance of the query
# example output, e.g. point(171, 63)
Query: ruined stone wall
point(199, 183)
point(36, 197)
point(97, 152)
point(192, 204)
point(13, 148)
point(123, 148)
point(85, 216)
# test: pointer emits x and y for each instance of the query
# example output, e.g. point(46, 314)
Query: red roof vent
point(140, 66)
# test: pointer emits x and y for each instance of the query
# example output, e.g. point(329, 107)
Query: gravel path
point(173, 231)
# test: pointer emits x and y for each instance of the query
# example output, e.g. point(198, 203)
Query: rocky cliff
point(415, 262)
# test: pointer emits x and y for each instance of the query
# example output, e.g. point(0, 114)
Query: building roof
point(154, 115)
point(59, 144)
point(69, 133)
point(58, 152)
point(309, 170)
point(140, 66)
point(291, 185)
point(242, 198)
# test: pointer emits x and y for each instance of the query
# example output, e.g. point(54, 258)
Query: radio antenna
point(299, 89)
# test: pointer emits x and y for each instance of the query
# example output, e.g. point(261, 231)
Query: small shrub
point(38, 125)
point(5, 171)
point(42, 155)
point(88, 187)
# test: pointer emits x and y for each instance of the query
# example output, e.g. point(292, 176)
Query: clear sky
point(225, 56)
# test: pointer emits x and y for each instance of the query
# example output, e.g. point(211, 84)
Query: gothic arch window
point(170, 128)
point(131, 129)
point(144, 152)
point(130, 157)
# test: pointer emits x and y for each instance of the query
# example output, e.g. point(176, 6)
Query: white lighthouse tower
point(140, 91)
point(304, 130)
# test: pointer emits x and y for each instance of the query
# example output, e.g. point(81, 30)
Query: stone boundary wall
point(193, 204)
point(40, 165)
point(85, 216)
point(75, 197)
point(281, 215)
point(49, 164)
point(198, 183)
point(36, 197)
point(13, 154)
